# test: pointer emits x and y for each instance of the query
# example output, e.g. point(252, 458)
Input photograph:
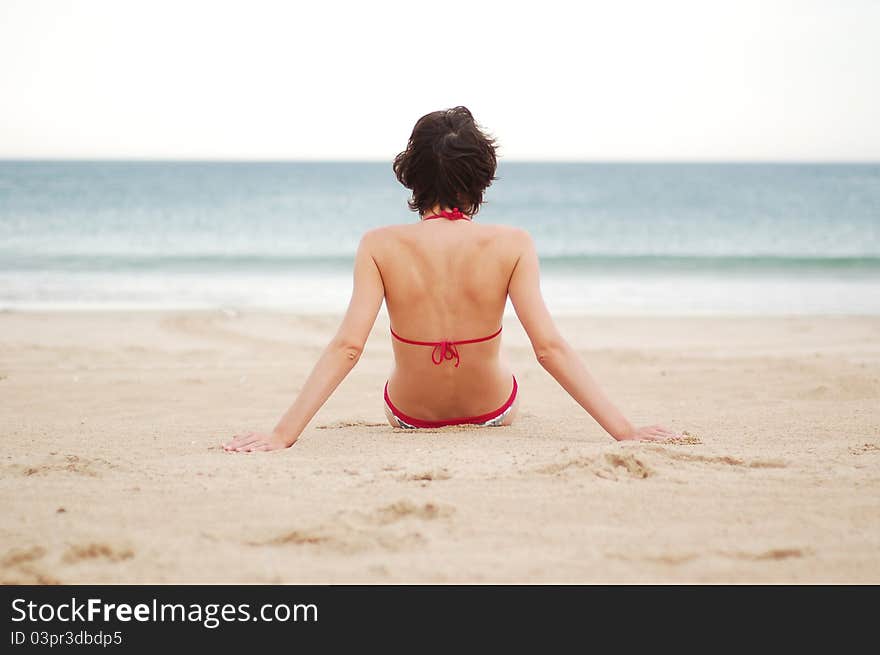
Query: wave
point(683, 263)
point(586, 263)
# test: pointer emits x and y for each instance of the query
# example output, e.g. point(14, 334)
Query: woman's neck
point(437, 210)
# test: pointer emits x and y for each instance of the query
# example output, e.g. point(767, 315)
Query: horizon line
point(364, 160)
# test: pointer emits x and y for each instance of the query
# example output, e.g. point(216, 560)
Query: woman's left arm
point(337, 360)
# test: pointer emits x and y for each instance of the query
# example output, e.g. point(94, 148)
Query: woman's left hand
point(256, 442)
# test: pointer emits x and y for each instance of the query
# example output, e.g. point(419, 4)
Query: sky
point(766, 80)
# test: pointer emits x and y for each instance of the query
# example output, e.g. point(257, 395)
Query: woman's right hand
point(649, 433)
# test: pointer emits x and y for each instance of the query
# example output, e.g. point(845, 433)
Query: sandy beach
point(112, 472)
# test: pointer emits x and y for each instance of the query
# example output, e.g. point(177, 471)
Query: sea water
point(612, 238)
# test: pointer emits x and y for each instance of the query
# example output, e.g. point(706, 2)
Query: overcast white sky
point(680, 80)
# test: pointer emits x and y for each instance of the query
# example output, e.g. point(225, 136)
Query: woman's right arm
point(557, 357)
point(336, 362)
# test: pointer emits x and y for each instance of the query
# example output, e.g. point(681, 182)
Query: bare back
point(446, 280)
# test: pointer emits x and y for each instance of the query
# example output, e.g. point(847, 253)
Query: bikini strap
point(445, 350)
point(454, 215)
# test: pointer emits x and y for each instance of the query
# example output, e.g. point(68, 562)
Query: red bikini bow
point(444, 351)
point(454, 215)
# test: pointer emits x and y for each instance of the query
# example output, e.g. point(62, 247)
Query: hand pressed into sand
point(256, 442)
point(649, 433)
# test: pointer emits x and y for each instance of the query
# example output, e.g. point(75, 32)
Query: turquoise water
point(613, 238)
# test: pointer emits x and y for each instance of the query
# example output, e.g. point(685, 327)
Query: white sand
point(111, 470)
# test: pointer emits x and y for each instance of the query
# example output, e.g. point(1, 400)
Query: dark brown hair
point(449, 160)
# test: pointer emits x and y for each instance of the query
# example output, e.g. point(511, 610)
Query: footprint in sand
point(95, 550)
point(404, 509)
point(356, 532)
point(91, 467)
point(17, 557)
point(20, 566)
point(772, 554)
point(610, 466)
point(634, 467)
point(425, 476)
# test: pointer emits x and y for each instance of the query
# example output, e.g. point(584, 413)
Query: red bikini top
point(446, 350)
point(454, 215)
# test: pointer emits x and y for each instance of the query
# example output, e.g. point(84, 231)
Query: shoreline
point(113, 472)
point(509, 314)
point(566, 293)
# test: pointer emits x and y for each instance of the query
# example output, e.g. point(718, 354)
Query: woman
point(445, 281)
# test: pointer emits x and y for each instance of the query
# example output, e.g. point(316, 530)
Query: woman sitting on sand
point(445, 281)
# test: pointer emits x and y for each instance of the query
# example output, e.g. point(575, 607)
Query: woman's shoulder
point(382, 236)
point(379, 235)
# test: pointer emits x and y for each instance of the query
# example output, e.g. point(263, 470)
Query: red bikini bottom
point(492, 418)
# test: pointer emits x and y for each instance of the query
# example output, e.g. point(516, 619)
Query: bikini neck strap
point(454, 215)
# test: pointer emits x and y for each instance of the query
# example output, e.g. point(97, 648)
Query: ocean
point(674, 239)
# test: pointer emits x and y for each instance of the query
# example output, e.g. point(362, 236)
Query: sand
point(112, 472)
